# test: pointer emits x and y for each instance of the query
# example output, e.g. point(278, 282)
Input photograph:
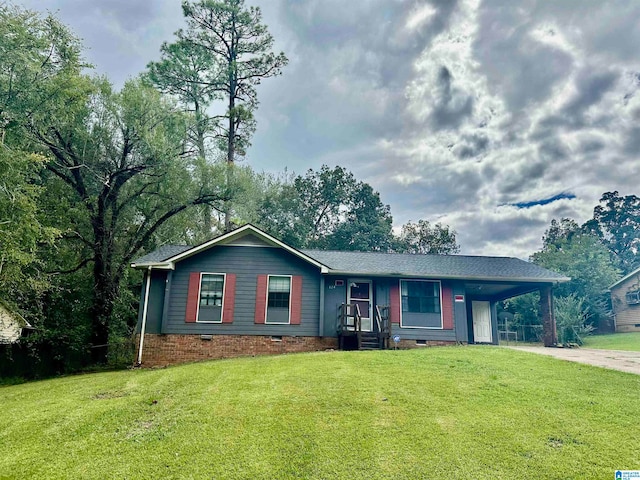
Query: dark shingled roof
point(164, 252)
point(399, 264)
point(435, 266)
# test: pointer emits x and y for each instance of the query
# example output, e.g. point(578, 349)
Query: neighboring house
point(625, 301)
point(11, 325)
point(246, 292)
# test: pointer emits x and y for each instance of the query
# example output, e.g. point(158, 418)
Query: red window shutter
point(296, 299)
point(394, 302)
point(229, 298)
point(193, 295)
point(447, 308)
point(261, 299)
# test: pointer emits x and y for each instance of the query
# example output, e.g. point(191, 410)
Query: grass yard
point(614, 341)
point(452, 412)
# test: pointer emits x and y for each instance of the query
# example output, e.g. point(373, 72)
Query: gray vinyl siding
point(382, 290)
point(246, 263)
point(460, 312)
point(334, 296)
point(156, 301)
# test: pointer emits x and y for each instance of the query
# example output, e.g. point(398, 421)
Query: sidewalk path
point(613, 359)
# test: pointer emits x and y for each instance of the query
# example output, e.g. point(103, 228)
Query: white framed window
point(421, 304)
point(633, 297)
point(278, 309)
point(211, 297)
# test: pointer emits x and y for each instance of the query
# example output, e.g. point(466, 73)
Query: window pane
point(279, 284)
point(359, 290)
point(211, 287)
point(279, 289)
point(420, 296)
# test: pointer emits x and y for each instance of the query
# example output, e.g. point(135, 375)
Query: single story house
point(246, 292)
point(625, 302)
point(12, 325)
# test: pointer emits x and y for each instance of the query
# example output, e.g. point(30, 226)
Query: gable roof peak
point(149, 261)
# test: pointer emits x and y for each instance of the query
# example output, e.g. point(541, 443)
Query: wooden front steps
point(370, 341)
point(350, 333)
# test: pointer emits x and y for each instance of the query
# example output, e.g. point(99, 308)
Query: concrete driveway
point(613, 359)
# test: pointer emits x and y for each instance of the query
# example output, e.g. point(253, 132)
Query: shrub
point(571, 314)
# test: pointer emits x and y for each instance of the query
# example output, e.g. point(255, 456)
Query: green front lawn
point(451, 412)
point(614, 341)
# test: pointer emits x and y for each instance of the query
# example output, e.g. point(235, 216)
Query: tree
point(224, 53)
point(616, 221)
point(327, 209)
point(322, 198)
point(39, 58)
point(272, 203)
point(240, 46)
point(560, 231)
point(367, 224)
point(587, 261)
point(114, 160)
point(21, 231)
point(184, 72)
point(423, 238)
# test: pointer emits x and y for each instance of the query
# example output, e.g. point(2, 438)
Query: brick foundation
point(161, 350)
point(429, 343)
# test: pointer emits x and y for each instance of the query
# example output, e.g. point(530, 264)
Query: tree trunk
point(105, 284)
point(231, 142)
point(200, 133)
point(105, 292)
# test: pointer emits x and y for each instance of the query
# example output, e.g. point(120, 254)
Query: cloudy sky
point(491, 116)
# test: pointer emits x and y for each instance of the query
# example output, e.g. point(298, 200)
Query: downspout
point(321, 319)
point(145, 307)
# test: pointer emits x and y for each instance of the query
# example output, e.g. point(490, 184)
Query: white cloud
point(451, 109)
point(421, 15)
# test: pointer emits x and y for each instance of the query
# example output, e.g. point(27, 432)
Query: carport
point(481, 298)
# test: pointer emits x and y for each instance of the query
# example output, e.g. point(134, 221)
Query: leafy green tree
point(326, 209)
point(187, 73)
point(560, 232)
point(39, 62)
point(526, 321)
point(116, 160)
point(367, 224)
point(273, 205)
point(616, 221)
point(422, 237)
point(21, 231)
point(322, 197)
point(587, 261)
point(39, 58)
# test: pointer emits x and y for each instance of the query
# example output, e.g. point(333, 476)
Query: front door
point(359, 293)
point(481, 312)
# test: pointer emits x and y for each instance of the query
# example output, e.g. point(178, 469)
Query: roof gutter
point(453, 277)
point(156, 265)
point(145, 308)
